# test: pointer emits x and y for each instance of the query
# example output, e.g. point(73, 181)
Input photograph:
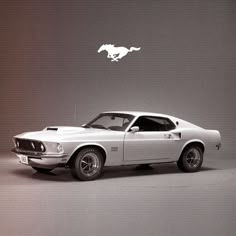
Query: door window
point(152, 123)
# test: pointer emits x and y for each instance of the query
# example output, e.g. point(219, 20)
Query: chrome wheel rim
point(89, 164)
point(193, 158)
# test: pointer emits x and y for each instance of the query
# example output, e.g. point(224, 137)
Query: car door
point(155, 141)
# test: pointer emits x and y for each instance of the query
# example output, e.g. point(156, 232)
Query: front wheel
point(87, 165)
point(191, 159)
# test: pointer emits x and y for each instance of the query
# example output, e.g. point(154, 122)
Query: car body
point(117, 138)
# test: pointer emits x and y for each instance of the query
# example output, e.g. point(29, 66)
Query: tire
point(87, 165)
point(42, 170)
point(191, 159)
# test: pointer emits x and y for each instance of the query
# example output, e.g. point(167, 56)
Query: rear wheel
point(191, 159)
point(42, 170)
point(87, 165)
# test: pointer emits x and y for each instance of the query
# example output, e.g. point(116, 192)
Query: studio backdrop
point(52, 74)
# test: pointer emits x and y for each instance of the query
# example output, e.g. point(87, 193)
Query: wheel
point(42, 170)
point(87, 165)
point(191, 159)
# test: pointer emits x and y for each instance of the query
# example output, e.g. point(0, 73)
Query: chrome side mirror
point(134, 129)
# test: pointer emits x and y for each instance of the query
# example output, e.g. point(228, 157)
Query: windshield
point(110, 121)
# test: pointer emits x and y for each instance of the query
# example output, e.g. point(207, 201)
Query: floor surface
point(124, 201)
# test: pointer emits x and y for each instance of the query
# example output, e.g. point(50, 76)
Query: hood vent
point(50, 128)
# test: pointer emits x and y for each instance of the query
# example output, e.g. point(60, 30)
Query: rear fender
point(192, 141)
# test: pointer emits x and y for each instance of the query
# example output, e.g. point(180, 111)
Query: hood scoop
point(63, 129)
point(52, 128)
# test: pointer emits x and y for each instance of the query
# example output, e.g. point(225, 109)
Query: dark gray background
point(51, 73)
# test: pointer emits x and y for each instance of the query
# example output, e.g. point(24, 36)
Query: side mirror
point(134, 129)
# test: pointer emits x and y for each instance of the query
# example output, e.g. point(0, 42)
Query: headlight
point(42, 147)
point(17, 144)
point(60, 148)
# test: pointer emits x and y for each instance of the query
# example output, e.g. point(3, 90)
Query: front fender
point(88, 144)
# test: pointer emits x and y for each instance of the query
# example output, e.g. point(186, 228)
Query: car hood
point(60, 133)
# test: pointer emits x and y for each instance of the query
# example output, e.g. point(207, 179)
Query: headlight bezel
point(54, 147)
point(60, 148)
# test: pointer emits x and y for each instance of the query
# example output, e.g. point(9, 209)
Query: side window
point(152, 123)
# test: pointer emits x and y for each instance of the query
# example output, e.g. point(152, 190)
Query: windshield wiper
point(86, 126)
point(97, 126)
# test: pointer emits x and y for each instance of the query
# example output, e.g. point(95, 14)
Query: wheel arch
point(198, 142)
point(87, 145)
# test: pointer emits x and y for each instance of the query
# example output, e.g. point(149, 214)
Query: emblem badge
point(116, 53)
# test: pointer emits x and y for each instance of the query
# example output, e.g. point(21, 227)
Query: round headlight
point(42, 147)
point(60, 148)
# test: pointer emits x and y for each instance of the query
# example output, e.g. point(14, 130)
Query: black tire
point(191, 159)
point(88, 164)
point(42, 170)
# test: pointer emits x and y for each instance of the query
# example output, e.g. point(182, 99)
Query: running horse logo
point(116, 53)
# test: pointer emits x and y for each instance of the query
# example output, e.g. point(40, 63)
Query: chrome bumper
point(37, 159)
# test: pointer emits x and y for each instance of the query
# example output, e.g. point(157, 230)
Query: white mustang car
point(117, 138)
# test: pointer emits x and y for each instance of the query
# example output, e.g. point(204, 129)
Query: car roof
point(138, 113)
point(182, 123)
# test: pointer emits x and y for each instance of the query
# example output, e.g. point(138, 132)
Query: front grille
point(29, 145)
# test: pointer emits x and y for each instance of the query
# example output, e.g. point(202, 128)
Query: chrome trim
point(39, 154)
point(90, 164)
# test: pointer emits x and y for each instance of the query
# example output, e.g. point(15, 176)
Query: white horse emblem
point(116, 53)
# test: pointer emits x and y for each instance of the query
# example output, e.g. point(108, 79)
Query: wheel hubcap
point(193, 158)
point(89, 164)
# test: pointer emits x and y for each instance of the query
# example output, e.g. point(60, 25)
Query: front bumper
point(44, 160)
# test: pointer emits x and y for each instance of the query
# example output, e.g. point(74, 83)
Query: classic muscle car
point(117, 138)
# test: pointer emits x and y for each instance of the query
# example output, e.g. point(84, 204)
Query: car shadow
point(64, 175)
point(134, 171)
